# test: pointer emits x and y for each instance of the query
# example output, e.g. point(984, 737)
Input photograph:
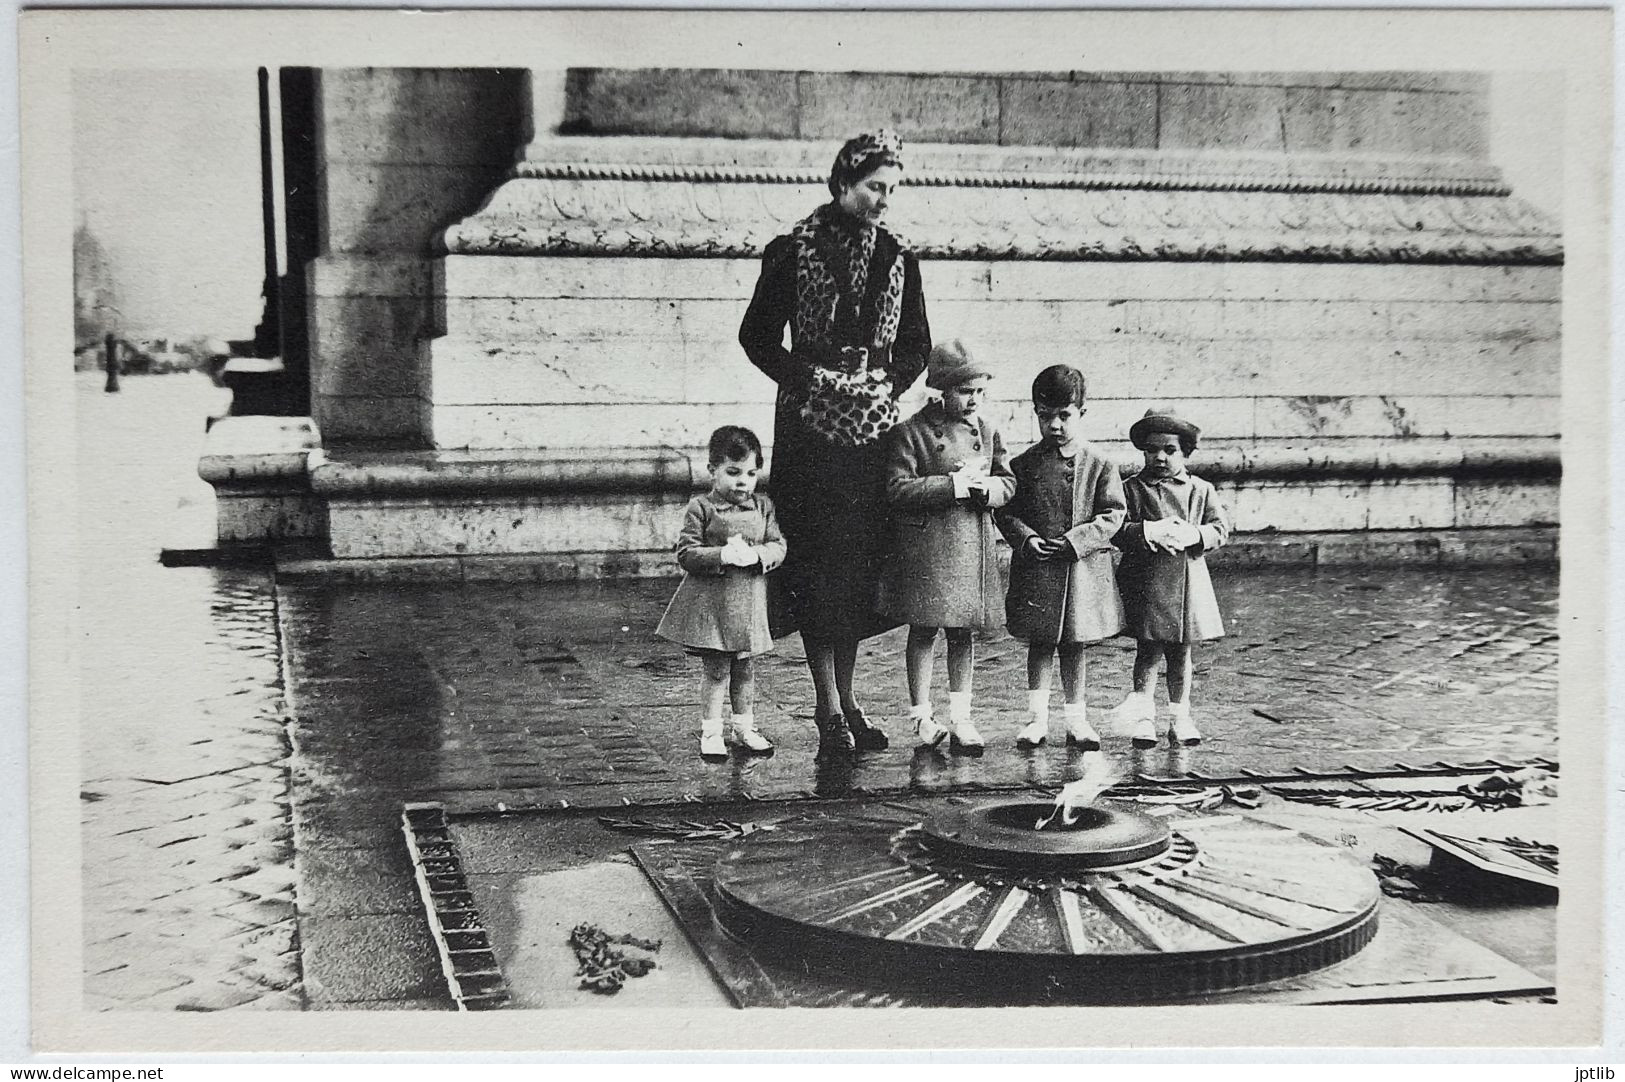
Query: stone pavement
point(188, 879)
point(527, 694)
point(493, 696)
point(242, 845)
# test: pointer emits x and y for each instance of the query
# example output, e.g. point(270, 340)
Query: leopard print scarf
point(848, 406)
point(833, 259)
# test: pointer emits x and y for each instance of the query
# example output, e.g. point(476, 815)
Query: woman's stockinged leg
point(821, 665)
point(846, 663)
point(919, 656)
point(742, 686)
point(961, 660)
point(865, 737)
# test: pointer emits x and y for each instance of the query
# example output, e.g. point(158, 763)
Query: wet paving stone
point(1318, 669)
point(188, 890)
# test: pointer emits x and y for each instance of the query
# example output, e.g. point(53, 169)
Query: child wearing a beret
point(1174, 520)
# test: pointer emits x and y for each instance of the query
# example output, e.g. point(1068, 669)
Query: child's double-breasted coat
point(1168, 596)
point(942, 569)
point(718, 606)
point(1079, 498)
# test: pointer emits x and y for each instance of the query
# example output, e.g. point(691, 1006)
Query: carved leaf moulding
point(562, 217)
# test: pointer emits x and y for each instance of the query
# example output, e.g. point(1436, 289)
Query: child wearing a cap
point(1068, 507)
point(1174, 518)
point(945, 468)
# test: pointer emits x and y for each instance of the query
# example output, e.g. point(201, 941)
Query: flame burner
point(1117, 906)
point(1003, 835)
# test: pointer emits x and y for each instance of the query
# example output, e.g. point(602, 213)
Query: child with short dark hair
point(1067, 508)
point(729, 540)
point(1174, 519)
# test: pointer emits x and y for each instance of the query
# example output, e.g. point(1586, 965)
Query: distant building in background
point(95, 292)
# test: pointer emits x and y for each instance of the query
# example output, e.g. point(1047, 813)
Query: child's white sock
point(1036, 731)
point(920, 710)
point(959, 706)
point(1182, 730)
point(1038, 705)
point(711, 741)
point(746, 735)
point(1078, 729)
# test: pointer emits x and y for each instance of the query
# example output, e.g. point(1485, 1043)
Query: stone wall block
point(1226, 418)
point(593, 425)
point(921, 108)
point(1089, 114)
point(1367, 368)
point(517, 524)
point(268, 518)
point(1404, 416)
point(1295, 319)
point(1232, 117)
point(1494, 502)
point(593, 320)
point(731, 103)
point(546, 278)
point(1310, 120)
point(1411, 122)
point(367, 344)
point(370, 276)
point(367, 417)
point(1512, 323)
point(1296, 507)
point(397, 208)
point(446, 116)
point(472, 373)
point(1410, 504)
point(1325, 282)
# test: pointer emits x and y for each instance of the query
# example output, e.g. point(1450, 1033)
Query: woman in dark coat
point(851, 296)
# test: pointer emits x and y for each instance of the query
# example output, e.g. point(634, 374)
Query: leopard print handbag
point(850, 409)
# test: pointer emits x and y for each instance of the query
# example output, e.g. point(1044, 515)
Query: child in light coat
point(945, 471)
point(1068, 506)
point(730, 539)
point(1174, 520)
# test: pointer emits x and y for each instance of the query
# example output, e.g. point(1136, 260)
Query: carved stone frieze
point(535, 216)
point(728, 198)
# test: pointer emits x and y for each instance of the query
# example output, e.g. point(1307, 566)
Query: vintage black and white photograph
point(675, 534)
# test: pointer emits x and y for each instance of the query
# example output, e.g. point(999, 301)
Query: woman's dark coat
point(831, 499)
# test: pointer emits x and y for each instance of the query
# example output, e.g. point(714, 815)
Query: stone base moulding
point(259, 467)
point(629, 500)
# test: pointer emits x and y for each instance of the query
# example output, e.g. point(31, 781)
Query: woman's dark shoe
point(865, 737)
point(835, 739)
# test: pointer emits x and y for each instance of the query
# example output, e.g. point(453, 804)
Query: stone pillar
point(400, 154)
